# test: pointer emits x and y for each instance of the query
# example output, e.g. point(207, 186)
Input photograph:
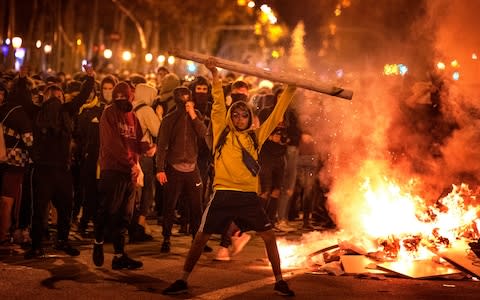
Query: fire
point(396, 225)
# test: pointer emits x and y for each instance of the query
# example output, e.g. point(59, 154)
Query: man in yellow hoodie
point(235, 185)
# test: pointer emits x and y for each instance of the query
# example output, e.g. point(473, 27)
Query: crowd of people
point(215, 157)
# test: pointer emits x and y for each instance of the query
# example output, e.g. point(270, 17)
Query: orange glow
point(394, 223)
point(455, 64)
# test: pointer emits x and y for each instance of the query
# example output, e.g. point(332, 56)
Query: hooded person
point(202, 95)
point(169, 83)
point(150, 123)
point(87, 144)
point(106, 88)
point(120, 147)
point(52, 130)
point(235, 185)
point(177, 165)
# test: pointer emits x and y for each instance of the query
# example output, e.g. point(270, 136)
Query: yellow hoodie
point(230, 171)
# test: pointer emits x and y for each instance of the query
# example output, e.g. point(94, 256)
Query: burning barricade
point(425, 240)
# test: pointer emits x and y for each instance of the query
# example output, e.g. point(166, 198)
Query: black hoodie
point(53, 126)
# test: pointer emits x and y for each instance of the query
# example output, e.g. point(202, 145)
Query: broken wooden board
point(418, 269)
point(359, 264)
point(462, 258)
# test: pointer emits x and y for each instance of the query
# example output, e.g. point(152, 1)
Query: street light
point(17, 57)
point(16, 42)
point(148, 57)
point(107, 53)
point(171, 60)
point(47, 49)
point(161, 59)
point(126, 55)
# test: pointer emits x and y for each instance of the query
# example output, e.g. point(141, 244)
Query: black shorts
point(243, 208)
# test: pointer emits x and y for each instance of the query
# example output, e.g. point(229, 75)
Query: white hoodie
point(145, 94)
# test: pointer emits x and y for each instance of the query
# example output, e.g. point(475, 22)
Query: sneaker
point(238, 242)
point(67, 248)
point(165, 247)
point(283, 226)
point(98, 257)
point(281, 288)
point(222, 254)
point(34, 253)
point(178, 287)
point(125, 262)
point(207, 249)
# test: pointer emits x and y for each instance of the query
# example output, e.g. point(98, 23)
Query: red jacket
point(120, 140)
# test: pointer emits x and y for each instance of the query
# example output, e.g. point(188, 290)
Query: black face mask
point(201, 98)
point(124, 105)
point(238, 97)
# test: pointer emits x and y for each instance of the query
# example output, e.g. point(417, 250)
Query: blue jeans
point(288, 182)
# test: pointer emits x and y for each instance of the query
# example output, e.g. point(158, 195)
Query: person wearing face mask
point(106, 89)
point(239, 92)
point(121, 145)
point(87, 144)
point(177, 166)
point(202, 96)
point(235, 186)
point(52, 179)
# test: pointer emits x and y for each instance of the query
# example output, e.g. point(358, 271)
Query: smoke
point(420, 130)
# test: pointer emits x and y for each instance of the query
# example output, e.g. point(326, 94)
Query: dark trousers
point(115, 208)
point(190, 185)
point(88, 191)
point(51, 184)
point(147, 195)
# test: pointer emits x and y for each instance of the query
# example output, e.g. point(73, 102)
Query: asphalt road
point(246, 276)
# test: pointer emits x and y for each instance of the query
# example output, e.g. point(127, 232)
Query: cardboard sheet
point(463, 258)
point(419, 269)
point(359, 264)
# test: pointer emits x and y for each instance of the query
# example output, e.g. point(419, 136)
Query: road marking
point(245, 287)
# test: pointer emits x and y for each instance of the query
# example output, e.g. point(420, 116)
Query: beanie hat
point(169, 82)
point(121, 91)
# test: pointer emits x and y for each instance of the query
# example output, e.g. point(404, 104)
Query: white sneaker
point(238, 242)
point(283, 226)
point(223, 254)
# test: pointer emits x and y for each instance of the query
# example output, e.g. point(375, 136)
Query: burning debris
point(417, 252)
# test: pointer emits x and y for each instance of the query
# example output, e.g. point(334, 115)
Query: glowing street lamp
point(161, 59)
point(148, 57)
point(171, 60)
point(47, 49)
point(16, 42)
point(38, 44)
point(107, 53)
point(127, 55)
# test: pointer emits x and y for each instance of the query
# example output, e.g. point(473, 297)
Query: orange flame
point(397, 223)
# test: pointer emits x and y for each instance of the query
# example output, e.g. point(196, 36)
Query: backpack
point(3, 147)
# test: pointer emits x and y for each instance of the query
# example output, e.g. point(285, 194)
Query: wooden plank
point(287, 78)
